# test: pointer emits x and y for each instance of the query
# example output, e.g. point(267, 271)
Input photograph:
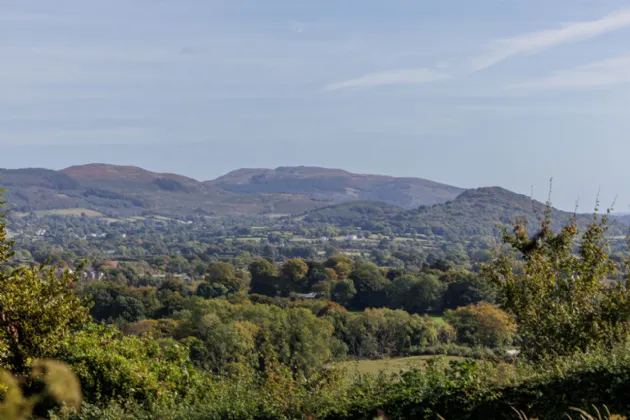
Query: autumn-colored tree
point(341, 264)
point(482, 324)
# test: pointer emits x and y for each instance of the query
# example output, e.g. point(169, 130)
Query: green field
point(389, 365)
point(438, 320)
point(249, 238)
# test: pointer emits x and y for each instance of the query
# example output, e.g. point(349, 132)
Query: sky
point(484, 93)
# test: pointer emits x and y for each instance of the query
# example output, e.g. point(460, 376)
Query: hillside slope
point(337, 185)
point(127, 190)
point(481, 211)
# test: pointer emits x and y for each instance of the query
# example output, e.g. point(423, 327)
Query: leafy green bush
point(113, 366)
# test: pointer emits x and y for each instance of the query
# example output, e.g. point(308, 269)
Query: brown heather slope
point(105, 172)
point(337, 185)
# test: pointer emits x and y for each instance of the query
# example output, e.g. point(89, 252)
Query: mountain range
point(126, 190)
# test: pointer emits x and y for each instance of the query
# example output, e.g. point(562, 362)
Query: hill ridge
point(130, 190)
point(476, 212)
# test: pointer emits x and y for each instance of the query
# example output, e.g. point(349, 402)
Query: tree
point(293, 274)
point(482, 324)
point(370, 285)
point(468, 288)
point(559, 297)
point(323, 289)
point(309, 340)
point(416, 294)
point(38, 309)
point(223, 273)
point(341, 264)
point(209, 290)
point(264, 278)
point(343, 292)
point(175, 285)
point(6, 247)
point(222, 345)
point(317, 273)
point(394, 273)
point(113, 366)
point(386, 332)
point(178, 265)
point(399, 291)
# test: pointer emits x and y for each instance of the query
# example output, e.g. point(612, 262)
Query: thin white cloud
point(614, 71)
point(538, 41)
point(390, 77)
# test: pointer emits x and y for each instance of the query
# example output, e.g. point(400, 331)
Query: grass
point(249, 238)
point(438, 320)
point(389, 365)
point(277, 215)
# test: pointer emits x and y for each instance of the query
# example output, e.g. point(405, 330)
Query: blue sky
point(502, 92)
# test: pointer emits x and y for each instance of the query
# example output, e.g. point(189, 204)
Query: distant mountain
point(103, 172)
point(127, 190)
point(475, 212)
point(337, 185)
point(131, 177)
point(621, 217)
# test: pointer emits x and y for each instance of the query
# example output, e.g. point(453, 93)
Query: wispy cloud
point(390, 77)
point(609, 72)
point(538, 41)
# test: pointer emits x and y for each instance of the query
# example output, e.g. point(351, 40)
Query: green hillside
point(477, 212)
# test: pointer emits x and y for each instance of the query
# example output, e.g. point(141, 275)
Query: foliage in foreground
point(562, 299)
point(57, 385)
point(455, 390)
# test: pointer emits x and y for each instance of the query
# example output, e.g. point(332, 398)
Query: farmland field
point(69, 212)
point(389, 365)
